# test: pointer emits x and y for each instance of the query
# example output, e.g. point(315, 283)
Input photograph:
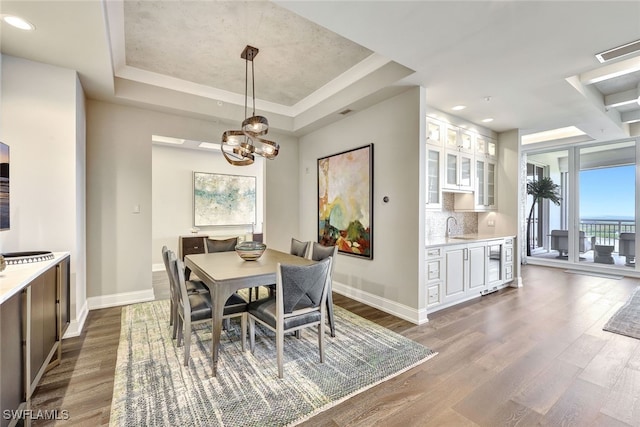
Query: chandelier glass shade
point(239, 147)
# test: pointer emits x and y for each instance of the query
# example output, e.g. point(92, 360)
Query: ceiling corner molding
point(359, 71)
point(114, 13)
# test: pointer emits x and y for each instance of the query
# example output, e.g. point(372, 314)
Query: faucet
point(448, 231)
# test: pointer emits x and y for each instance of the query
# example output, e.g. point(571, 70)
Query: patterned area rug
point(626, 321)
point(153, 388)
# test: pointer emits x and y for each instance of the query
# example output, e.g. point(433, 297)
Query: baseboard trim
point(157, 267)
point(76, 326)
point(394, 308)
point(114, 300)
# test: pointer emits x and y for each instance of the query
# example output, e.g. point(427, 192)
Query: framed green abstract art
point(345, 201)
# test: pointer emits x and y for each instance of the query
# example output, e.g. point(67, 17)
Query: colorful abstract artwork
point(220, 199)
point(345, 209)
point(4, 187)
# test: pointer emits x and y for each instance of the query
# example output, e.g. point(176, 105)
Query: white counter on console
point(463, 238)
point(15, 277)
point(35, 311)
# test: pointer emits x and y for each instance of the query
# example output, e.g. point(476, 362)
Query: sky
point(608, 192)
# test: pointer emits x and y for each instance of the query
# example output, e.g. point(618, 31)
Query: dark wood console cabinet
point(33, 319)
point(190, 245)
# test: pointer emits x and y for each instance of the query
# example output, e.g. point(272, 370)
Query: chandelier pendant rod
point(253, 88)
point(246, 84)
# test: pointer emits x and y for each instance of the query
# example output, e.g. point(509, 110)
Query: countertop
point(15, 277)
point(462, 239)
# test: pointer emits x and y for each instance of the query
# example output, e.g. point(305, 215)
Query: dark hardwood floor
point(530, 356)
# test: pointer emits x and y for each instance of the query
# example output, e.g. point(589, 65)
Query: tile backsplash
point(436, 222)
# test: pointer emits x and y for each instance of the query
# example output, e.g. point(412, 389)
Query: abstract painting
point(4, 187)
point(220, 199)
point(345, 208)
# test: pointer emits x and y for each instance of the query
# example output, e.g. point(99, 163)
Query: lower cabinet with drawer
point(190, 245)
point(434, 276)
point(508, 260)
point(457, 272)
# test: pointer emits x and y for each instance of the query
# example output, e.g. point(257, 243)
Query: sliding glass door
point(607, 203)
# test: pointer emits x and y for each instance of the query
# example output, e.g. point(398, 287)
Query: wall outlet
point(491, 222)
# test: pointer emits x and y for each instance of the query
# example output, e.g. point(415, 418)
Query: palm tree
point(544, 188)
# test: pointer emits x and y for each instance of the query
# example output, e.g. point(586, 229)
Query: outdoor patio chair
point(628, 248)
point(560, 242)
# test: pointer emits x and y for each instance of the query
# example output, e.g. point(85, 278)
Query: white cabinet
point(459, 147)
point(508, 260)
point(455, 273)
point(466, 271)
point(485, 194)
point(462, 271)
point(459, 139)
point(435, 275)
point(486, 146)
point(434, 177)
point(458, 174)
point(435, 132)
point(477, 266)
point(483, 198)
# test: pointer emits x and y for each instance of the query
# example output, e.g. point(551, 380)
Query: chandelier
point(239, 147)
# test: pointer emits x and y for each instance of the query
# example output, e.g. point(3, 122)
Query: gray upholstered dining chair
point(193, 286)
point(196, 308)
point(318, 253)
point(299, 302)
point(224, 245)
point(299, 248)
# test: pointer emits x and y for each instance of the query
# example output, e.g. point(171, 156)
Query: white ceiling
point(530, 65)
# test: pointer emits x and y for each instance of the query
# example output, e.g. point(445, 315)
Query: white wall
point(119, 178)
point(42, 120)
point(391, 280)
point(172, 196)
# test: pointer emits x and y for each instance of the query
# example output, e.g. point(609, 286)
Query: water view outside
point(607, 202)
point(4, 187)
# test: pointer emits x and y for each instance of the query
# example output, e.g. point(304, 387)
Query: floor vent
point(618, 52)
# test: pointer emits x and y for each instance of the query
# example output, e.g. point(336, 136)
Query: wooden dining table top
point(227, 266)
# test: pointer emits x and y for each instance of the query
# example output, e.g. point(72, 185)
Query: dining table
point(225, 273)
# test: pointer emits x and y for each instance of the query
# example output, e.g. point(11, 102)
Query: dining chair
point(318, 253)
point(299, 248)
point(225, 245)
point(193, 286)
point(196, 308)
point(299, 302)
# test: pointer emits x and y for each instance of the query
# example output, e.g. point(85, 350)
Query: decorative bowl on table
point(250, 251)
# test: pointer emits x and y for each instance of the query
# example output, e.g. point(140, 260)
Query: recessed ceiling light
point(17, 22)
point(209, 145)
point(459, 107)
point(487, 120)
point(167, 139)
point(551, 135)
